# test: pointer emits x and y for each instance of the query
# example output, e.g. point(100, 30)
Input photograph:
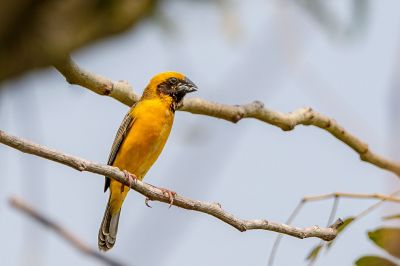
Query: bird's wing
point(119, 139)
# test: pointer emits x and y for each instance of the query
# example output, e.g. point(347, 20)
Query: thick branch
point(61, 231)
point(154, 193)
point(119, 90)
point(123, 92)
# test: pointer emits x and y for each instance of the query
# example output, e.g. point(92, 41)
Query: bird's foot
point(170, 194)
point(131, 179)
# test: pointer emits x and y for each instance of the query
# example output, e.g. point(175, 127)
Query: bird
point(139, 141)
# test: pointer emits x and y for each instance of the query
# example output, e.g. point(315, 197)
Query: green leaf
point(312, 256)
point(374, 261)
point(391, 217)
point(345, 223)
point(387, 238)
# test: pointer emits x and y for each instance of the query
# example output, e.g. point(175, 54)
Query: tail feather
point(108, 229)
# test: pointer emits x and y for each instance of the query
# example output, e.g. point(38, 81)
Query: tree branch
point(154, 193)
point(119, 90)
point(61, 231)
point(383, 197)
point(392, 197)
point(122, 91)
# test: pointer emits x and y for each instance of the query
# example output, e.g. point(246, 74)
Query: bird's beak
point(187, 87)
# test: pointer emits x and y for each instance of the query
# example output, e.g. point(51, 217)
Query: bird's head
point(171, 85)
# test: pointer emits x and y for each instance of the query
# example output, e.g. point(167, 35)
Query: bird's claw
point(170, 194)
point(131, 179)
point(146, 201)
point(166, 192)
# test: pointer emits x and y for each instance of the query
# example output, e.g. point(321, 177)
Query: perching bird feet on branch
point(131, 178)
point(169, 193)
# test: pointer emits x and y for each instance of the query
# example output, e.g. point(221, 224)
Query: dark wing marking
point(119, 138)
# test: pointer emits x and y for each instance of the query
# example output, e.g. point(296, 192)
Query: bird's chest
point(145, 140)
point(150, 134)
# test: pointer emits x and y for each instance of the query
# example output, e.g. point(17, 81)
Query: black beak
point(187, 86)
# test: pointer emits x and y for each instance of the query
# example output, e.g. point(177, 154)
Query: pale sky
point(274, 52)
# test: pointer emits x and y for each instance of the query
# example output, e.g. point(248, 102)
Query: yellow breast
point(145, 140)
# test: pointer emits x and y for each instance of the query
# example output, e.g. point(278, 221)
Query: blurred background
point(339, 57)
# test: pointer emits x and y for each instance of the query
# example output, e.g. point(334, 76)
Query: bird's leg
point(131, 178)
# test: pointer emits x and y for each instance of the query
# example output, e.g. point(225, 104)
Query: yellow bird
point(140, 140)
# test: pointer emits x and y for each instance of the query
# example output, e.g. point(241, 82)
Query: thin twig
point(330, 220)
point(353, 196)
point(376, 205)
point(154, 193)
point(22, 206)
point(336, 195)
point(122, 91)
point(333, 210)
point(278, 239)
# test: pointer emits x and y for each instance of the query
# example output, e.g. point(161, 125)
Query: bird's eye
point(173, 81)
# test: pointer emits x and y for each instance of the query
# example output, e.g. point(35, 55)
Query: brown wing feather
point(119, 139)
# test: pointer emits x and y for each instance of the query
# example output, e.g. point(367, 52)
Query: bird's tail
point(108, 228)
